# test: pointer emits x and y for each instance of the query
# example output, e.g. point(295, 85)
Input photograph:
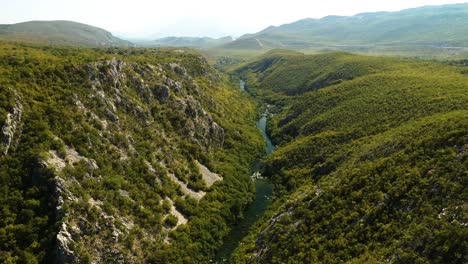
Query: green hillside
point(284, 146)
point(110, 154)
point(60, 33)
point(371, 163)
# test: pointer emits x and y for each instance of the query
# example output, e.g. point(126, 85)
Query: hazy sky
point(215, 18)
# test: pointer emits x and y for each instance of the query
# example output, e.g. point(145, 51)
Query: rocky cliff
point(127, 147)
point(11, 127)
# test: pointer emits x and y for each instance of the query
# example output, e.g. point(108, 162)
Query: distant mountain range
point(187, 42)
point(436, 27)
point(60, 33)
point(440, 26)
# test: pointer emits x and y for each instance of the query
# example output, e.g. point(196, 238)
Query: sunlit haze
point(151, 19)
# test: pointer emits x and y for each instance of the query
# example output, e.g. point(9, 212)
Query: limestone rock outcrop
point(12, 125)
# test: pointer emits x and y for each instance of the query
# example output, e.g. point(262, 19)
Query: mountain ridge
point(198, 42)
point(60, 32)
point(433, 10)
point(422, 30)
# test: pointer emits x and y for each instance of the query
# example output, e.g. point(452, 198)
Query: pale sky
point(213, 18)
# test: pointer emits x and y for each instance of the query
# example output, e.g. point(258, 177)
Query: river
point(263, 193)
point(261, 124)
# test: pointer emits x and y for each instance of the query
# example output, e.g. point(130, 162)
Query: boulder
point(162, 92)
point(63, 247)
point(112, 116)
point(178, 69)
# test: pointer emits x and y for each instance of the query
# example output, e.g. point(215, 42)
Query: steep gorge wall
point(118, 143)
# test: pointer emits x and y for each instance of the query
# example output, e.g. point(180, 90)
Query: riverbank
point(263, 195)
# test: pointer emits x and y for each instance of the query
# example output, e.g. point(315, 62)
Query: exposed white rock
point(64, 252)
point(55, 162)
point(257, 176)
point(71, 157)
point(185, 189)
point(153, 171)
point(180, 217)
point(150, 167)
point(181, 220)
point(81, 107)
point(12, 123)
point(209, 177)
point(127, 223)
point(200, 125)
point(61, 192)
point(110, 71)
point(125, 194)
point(94, 203)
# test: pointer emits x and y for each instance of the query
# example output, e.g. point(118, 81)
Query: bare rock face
point(200, 125)
point(218, 134)
point(64, 252)
point(119, 91)
point(112, 79)
point(108, 72)
point(178, 69)
point(162, 92)
point(116, 69)
point(174, 85)
point(141, 87)
point(11, 126)
point(112, 116)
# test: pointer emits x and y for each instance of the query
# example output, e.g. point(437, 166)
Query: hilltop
point(429, 31)
point(429, 25)
point(60, 33)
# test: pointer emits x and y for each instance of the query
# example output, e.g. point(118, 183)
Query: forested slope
point(122, 155)
point(371, 164)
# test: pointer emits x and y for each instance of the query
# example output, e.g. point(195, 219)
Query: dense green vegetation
point(371, 163)
point(60, 33)
point(100, 133)
point(143, 155)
